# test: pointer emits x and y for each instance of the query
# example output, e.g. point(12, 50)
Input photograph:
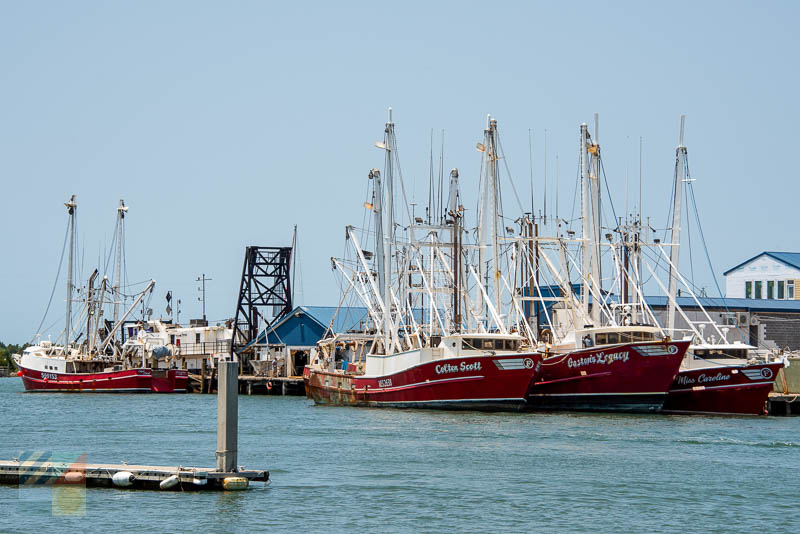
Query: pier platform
point(783, 404)
point(102, 475)
point(253, 384)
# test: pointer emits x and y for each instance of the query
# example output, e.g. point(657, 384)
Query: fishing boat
point(419, 350)
point(716, 376)
point(626, 369)
point(96, 363)
point(722, 378)
point(603, 350)
point(47, 367)
point(490, 372)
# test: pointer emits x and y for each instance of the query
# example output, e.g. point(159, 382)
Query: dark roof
point(792, 259)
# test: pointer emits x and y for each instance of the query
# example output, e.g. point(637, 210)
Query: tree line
point(7, 350)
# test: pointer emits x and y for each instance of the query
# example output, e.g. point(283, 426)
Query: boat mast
point(586, 232)
point(594, 176)
point(680, 176)
point(375, 175)
point(121, 210)
point(455, 213)
point(493, 210)
point(387, 265)
point(482, 223)
point(90, 310)
point(72, 208)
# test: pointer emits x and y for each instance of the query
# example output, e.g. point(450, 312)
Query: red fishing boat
point(717, 379)
point(622, 369)
point(43, 370)
point(489, 372)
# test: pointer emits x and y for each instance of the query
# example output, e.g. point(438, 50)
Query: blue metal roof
point(792, 259)
point(305, 325)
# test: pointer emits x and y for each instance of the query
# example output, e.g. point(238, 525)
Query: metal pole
point(227, 415)
point(72, 208)
point(586, 232)
point(118, 271)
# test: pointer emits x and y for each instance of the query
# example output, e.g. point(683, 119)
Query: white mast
point(482, 220)
point(72, 208)
point(121, 210)
point(375, 175)
point(594, 176)
point(455, 213)
point(493, 210)
point(674, 256)
point(586, 232)
point(387, 265)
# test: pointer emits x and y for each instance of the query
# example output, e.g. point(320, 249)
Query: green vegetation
point(6, 351)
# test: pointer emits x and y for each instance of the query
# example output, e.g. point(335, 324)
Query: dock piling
point(227, 415)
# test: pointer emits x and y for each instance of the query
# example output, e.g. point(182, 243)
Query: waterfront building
point(767, 276)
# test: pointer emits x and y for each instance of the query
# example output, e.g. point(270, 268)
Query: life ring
point(269, 385)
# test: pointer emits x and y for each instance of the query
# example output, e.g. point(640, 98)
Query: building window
point(781, 291)
point(757, 294)
point(197, 338)
point(770, 289)
point(790, 289)
point(748, 290)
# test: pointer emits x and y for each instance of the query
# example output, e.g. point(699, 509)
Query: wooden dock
point(783, 404)
point(252, 384)
point(25, 473)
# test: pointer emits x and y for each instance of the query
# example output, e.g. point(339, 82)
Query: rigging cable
point(55, 283)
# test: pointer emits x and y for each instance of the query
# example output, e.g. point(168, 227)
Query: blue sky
point(223, 124)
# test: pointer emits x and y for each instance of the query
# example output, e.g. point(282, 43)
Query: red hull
point(632, 377)
point(474, 383)
point(125, 381)
point(735, 390)
point(170, 381)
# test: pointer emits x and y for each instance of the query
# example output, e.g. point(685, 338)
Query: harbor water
point(348, 469)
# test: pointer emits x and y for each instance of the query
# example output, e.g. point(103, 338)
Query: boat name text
point(703, 379)
point(448, 368)
point(599, 358)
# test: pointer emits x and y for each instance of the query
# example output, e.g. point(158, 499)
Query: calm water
point(337, 469)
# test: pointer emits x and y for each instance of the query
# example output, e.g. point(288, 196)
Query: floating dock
point(154, 477)
point(40, 471)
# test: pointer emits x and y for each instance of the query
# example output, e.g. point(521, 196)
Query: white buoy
point(123, 479)
point(170, 482)
point(199, 481)
point(74, 477)
point(235, 483)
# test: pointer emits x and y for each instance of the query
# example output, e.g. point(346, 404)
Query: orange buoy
point(269, 385)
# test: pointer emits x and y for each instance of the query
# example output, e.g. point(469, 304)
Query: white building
point(769, 275)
